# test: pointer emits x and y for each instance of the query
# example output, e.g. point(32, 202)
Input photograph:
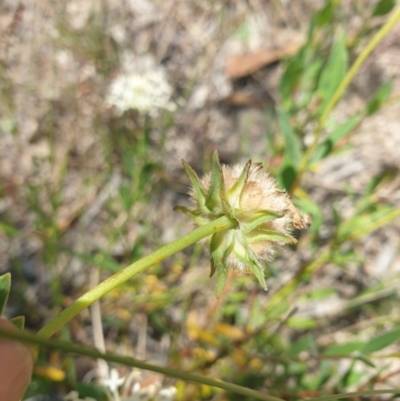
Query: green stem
point(344, 84)
point(368, 393)
point(196, 378)
point(128, 361)
point(220, 224)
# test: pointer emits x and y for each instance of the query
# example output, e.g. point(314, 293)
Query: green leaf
point(250, 220)
point(194, 179)
point(319, 293)
point(383, 7)
point(363, 222)
point(343, 129)
point(216, 195)
point(5, 285)
point(334, 71)
point(251, 261)
point(222, 276)
point(353, 377)
point(269, 235)
point(343, 349)
point(293, 151)
point(301, 323)
point(220, 248)
point(364, 359)
point(380, 342)
point(287, 176)
point(291, 77)
point(325, 148)
point(374, 182)
point(325, 16)
point(18, 322)
point(379, 97)
point(235, 192)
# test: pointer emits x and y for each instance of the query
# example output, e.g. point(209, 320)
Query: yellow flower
point(264, 214)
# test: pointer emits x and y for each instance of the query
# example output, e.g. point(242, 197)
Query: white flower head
point(147, 92)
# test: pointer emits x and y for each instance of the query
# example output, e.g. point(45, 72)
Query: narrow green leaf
point(353, 377)
point(287, 176)
point(383, 7)
point(364, 359)
point(301, 323)
point(213, 267)
point(334, 71)
point(250, 220)
point(217, 263)
point(363, 222)
point(379, 97)
point(343, 129)
point(343, 349)
point(220, 247)
point(326, 147)
point(235, 192)
point(253, 264)
point(380, 342)
point(5, 285)
point(18, 322)
point(374, 182)
point(194, 179)
point(291, 77)
point(222, 277)
point(269, 235)
point(293, 150)
point(325, 16)
point(216, 194)
point(319, 293)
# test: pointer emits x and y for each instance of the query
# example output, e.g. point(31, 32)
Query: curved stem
point(128, 361)
point(220, 224)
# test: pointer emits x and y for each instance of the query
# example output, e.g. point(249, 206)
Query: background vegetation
point(100, 101)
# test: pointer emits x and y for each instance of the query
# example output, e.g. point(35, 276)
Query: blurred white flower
point(147, 92)
point(166, 394)
point(114, 381)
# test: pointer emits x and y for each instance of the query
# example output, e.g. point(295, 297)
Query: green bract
point(264, 216)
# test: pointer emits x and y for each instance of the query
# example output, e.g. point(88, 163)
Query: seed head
point(264, 214)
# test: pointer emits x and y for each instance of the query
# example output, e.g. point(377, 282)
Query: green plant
point(256, 334)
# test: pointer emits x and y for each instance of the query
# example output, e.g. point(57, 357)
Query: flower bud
point(264, 214)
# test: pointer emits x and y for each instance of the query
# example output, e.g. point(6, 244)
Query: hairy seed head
point(264, 214)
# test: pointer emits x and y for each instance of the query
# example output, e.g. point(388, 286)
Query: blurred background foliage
point(100, 101)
